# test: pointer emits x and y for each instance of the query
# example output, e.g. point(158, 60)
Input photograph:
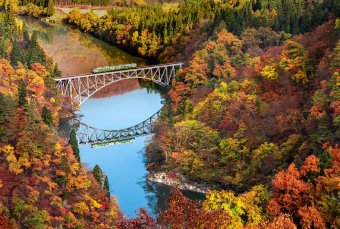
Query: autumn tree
point(307, 194)
point(47, 116)
point(295, 61)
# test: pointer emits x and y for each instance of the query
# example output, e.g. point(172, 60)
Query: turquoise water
point(123, 163)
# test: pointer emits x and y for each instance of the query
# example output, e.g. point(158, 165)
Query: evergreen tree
point(50, 8)
point(98, 175)
point(2, 48)
point(7, 114)
point(16, 54)
point(56, 71)
point(35, 53)
point(325, 161)
point(22, 101)
point(74, 144)
point(9, 19)
point(107, 187)
point(336, 56)
point(63, 166)
point(25, 32)
point(47, 116)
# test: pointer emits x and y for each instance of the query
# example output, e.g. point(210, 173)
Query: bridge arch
point(82, 87)
point(88, 134)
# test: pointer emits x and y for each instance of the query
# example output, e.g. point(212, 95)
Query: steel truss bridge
point(82, 87)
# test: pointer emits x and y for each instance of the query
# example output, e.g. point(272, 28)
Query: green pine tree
point(107, 187)
point(98, 175)
point(35, 53)
point(16, 54)
point(47, 116)
point(56, 71)
point(50, 8)
point(22, 101)
point(2, 48)
point(325, 161)
point(9, 20)
point(25, 32)
point(7, 115)
point(336, 56)
point(74, 144)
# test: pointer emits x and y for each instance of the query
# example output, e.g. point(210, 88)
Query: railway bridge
point(82, 87)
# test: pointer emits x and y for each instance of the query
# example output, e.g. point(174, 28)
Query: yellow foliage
point(74, 168)
point(269, 72)
point(81, 208)
point(23, 161)
point(13, 164)
point(244, 206)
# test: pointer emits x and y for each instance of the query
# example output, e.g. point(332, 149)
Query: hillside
point(42, 183)
point(254, 114)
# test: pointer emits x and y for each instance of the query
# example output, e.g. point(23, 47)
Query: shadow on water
point(159, 194)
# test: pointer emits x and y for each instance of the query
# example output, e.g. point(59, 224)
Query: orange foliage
point(299, 193)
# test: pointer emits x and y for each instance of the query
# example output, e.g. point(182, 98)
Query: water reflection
point(76, 52)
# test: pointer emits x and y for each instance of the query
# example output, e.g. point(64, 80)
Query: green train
point(115, 142)
point(114, 68)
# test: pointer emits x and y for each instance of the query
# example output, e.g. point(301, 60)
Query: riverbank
point(99, 10)
point(179, 181)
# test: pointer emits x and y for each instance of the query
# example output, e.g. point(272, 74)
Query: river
point(119, 106)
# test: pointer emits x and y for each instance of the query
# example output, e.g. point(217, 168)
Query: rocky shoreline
point(178, 181)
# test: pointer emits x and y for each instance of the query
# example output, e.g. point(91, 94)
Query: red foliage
point(4, 222)
point(280, 222)
point(143, 220)
point(302, 192)
point(181, 213)
point(178, 90)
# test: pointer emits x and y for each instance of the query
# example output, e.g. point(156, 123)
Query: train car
point(114, 68)
point(110, 143)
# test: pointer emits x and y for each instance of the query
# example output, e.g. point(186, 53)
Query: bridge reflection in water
point(81, 87)
point(91, 135)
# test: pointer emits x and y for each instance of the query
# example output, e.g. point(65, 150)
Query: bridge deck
point(122, 71)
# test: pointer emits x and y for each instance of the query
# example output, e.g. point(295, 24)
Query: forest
point(42, 182)
point(153, 31)
point(254, 112)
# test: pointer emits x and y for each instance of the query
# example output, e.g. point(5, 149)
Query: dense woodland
point(150, 29)
point(257, 105)
point(255, 113)
point(42, 182)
